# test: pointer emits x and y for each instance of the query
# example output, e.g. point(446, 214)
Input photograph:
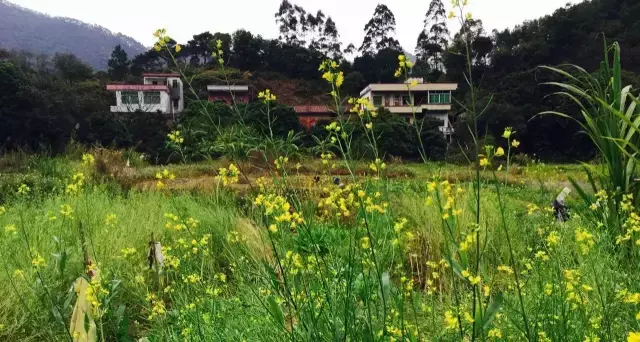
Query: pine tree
point(118, 64)
point(378, 32)
point(432, 41)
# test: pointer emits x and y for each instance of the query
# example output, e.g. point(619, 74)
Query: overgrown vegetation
point(343, 245)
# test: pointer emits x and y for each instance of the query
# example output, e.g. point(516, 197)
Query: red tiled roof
point(152, 74)
point(137, 87)
point(318, 109)
point(312, 109)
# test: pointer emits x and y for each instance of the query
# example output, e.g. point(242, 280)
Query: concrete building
point(426, 99)
point(160, 93)
point(229, 94)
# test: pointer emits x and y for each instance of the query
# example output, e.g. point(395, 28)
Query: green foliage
point(118, 64)
point(610, 118)
point(70, 68)
point(283, 119)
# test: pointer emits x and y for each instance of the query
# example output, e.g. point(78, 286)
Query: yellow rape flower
point(450, 321)
point(507, 132)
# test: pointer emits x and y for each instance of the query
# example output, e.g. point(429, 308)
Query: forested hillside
point(25, 30)
point(505, 67)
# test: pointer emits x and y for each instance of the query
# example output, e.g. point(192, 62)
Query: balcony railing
point(446, 130)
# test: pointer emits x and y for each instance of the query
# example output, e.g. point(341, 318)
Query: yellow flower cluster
point(377, 165)
point(76, 184)
point(192, 278)
point(229, 175)
point(175, 137)
point(127, 252)
point(585, 240)
point(435, 268)
point(450, 321)
point(553, 238)
point(631, 222)
point(157, 306)
point(277, 207)
point(24, 189)
point(473, 280)
point(601, 199)
point(163, 39)
point(267, 96)
point(110, 220)
point(170, 260)
point(326, 157)
point(449, 208)
point(175, 223)
point(403, 66)
point(164, 175)
point(505, 269)
point(331, 74)
point(468, 242)
point(66, 211)
point(362, 106)
point(219, 53)
point(532, 208)
point(38, 260)
point(280, 162)
point(576, 294)
point(95, 294)
point(338, 202)
point(297, 264)
point(88, 159)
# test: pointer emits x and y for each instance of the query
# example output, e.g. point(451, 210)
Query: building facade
point(160, 93)
point(426, 99)
point(229, 94)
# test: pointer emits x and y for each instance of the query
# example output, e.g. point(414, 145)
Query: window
point(377, 101)
point(438, 97)
point(152, 97)
point(176, 103)
point(130, 97)
point(154, 82)
point(407, 100)
point(175, 84)
point(397, 100)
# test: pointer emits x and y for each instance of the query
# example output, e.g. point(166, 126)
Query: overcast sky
point(184, 18)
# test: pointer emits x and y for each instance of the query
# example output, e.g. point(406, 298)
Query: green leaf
point(492, 310)
point(275, 310)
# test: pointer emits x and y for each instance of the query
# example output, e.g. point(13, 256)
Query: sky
point(184, 18)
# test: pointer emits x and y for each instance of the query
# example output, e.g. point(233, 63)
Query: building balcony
point(419, 109)
point(147, 108)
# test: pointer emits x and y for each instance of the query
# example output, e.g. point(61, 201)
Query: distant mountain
point(24, 29)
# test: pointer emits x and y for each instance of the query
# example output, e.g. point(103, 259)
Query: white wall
point(164, 106)
point(181, 86)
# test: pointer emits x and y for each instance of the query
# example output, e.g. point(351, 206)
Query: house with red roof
point(160, 92)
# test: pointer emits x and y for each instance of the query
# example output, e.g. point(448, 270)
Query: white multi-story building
point(160, 93)
point(426, 99)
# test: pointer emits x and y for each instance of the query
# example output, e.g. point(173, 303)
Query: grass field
point(386, 256)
